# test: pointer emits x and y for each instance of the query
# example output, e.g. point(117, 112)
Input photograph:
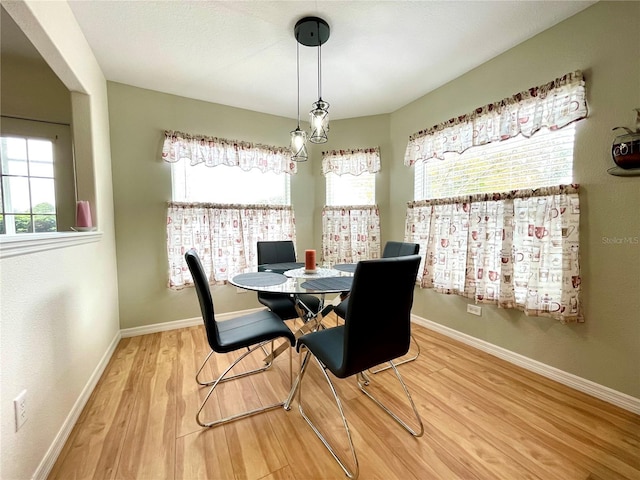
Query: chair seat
point(341, 308)
point(284, 306)
point(249, 329)
point(328, 347)
point(310, 301)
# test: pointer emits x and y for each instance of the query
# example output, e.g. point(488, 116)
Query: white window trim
point(25, 244)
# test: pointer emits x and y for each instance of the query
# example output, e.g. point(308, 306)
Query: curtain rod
point(35, 120)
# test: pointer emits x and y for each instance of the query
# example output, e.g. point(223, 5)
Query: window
point(351, 189)
point(495, 213)
point(218, 170)
point(28, 186)
point(229, 185)
point(227, 196)
point(543, 160)
point(350, 218)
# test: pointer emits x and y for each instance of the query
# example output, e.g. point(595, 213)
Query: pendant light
point(320, 112)
point(298, 137)
point(313, 32)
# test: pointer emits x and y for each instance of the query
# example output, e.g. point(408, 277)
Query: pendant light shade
point(319, 122)
point(299, 145)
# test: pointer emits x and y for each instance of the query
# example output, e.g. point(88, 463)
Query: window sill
point(25, 244)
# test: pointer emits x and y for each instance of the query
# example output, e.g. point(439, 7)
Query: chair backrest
point(378, 318)
point(279, 251)
point(204, 296)
point(400, 249)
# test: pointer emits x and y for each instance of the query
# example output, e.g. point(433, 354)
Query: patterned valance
point(354, 162)
point(214, 151)
point(553, 105)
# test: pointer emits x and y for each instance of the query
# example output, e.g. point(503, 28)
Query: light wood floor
point(484, 419)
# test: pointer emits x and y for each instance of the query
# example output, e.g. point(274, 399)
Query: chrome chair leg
point(364, 378)
point(266, 366)
point(222, 379)
point(296, 383)
point(362, 386)
point(351, 474)
point(406, 360)
point(265, 351)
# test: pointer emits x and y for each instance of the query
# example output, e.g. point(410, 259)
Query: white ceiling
point(380, 56)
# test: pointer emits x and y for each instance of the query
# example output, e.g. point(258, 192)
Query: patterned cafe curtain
point(518, 249)
point(225, 237)
point(350, 234)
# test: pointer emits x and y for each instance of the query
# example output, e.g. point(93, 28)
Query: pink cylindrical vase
point(83, 214)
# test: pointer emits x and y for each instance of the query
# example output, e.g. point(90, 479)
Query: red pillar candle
point(310, 260)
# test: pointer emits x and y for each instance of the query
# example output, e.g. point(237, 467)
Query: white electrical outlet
point(474, 309)
point(20, 406)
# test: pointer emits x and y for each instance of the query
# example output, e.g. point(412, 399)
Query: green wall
point(142, 187)
point(603, 41)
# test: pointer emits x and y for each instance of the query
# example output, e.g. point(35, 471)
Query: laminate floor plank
point(94, 446)
point(150, 439)
point(535, 422)
point(203, 455)
point(421, 459)
point(514, 443)
point(484, 419)
point(192, 350)
point(255, 452)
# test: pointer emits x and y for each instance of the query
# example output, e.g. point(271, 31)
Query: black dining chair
point(250, 332)
point(391, 249)
point(284, 305)
point(376, 330)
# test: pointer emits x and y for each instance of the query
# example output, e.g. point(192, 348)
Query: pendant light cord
point(298, 76)
point(319, 65)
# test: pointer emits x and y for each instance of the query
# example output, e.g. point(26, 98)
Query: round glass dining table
point(295, 281)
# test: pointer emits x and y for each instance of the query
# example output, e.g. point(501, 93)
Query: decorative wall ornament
point(626, 147)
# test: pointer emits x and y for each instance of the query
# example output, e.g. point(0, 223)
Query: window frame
point(332, 185)
point(223, 169)
point(29, 176)
point(484, 156)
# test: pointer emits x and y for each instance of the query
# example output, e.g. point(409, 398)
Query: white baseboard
point(188, 322)
point(622, 400)
point(160, 327)
point(49, 459)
